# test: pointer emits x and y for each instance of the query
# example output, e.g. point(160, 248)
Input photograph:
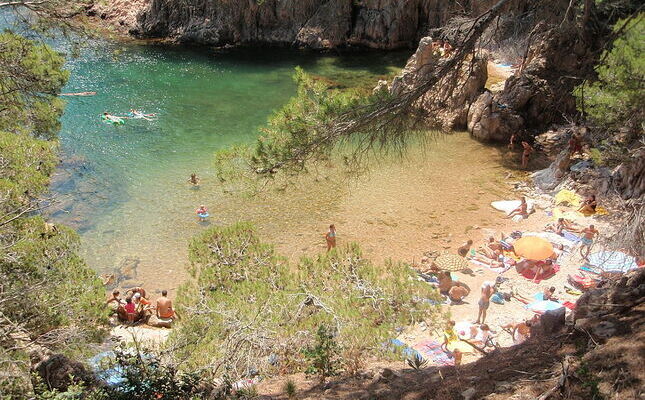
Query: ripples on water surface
point(124, 187)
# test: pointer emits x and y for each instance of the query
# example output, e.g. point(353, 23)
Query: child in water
point(331, 237)
point(202, 213)
point(194, 180)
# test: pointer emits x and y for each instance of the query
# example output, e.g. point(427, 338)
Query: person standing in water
point(194, 179)
point(331, 237)
point(202, 213)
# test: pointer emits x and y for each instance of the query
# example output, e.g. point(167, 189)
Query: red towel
point(569, 305)
point(582, 281)
point(529, 274)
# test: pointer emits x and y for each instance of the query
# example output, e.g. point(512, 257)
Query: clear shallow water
point(124, 187)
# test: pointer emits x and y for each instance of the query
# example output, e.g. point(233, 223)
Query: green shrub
point(323, 356)
point(247, 309)
point(616, 98)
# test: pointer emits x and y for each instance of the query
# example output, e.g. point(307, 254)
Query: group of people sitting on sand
point(137, 308)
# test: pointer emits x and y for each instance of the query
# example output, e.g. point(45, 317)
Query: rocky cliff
point(317, 24)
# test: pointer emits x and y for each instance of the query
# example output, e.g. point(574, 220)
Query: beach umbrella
point(544, 305)
point(533, 248)
point(450, 262)
point(613, 261)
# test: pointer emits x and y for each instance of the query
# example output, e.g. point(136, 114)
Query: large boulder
point(489, 121)
point(539, 93)
point(57, 371)
point(447, 104)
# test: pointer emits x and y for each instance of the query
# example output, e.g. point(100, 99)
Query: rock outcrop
point(539, 93)
point(447, 105)
point(382, 24)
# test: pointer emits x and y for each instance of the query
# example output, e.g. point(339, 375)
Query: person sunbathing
point(563, 225)
point(465, 248)
point(549, 294)
point(544, 268)
point(588, 206)
point(492, 249)
point(445, 282)
point(493, 263)
point(521, 210)
point(458, 292)
point(483, 337)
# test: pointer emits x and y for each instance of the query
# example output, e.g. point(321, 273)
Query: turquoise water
point(124, 187)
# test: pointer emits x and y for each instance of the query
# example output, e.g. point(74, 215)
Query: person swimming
point(194, 179)
point(136, 114)
point(202, 213)
point(112, 119)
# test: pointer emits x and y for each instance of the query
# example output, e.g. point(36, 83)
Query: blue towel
point(408, 352)
point(570, 236)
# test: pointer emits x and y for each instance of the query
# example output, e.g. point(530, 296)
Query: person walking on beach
point(588, 236)
point(484, 301)
point(330, 237)
point(526, 153)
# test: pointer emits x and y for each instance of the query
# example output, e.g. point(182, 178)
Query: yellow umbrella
point(533, 248)
point(450, 262)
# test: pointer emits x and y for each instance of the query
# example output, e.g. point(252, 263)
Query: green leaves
point(247, 305)
point(298, 132)
point(31, 77)
point(616, 98)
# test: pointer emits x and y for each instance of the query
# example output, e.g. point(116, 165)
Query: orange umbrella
point(533, 248)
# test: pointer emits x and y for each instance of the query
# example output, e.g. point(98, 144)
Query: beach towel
point(529, 274)
point(569, 197)
point(552, 237)
point(540, 307)
point(507, 206)
point(431, 351)
point(571, 215)
point(570, 236)
point(494, 269)
point(398, 346)
point(582, 281)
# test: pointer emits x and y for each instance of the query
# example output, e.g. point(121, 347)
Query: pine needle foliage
point(616, 98)
point(248, 310)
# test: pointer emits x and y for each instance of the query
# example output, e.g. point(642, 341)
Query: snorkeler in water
point(136, 114)
point(113, 119)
